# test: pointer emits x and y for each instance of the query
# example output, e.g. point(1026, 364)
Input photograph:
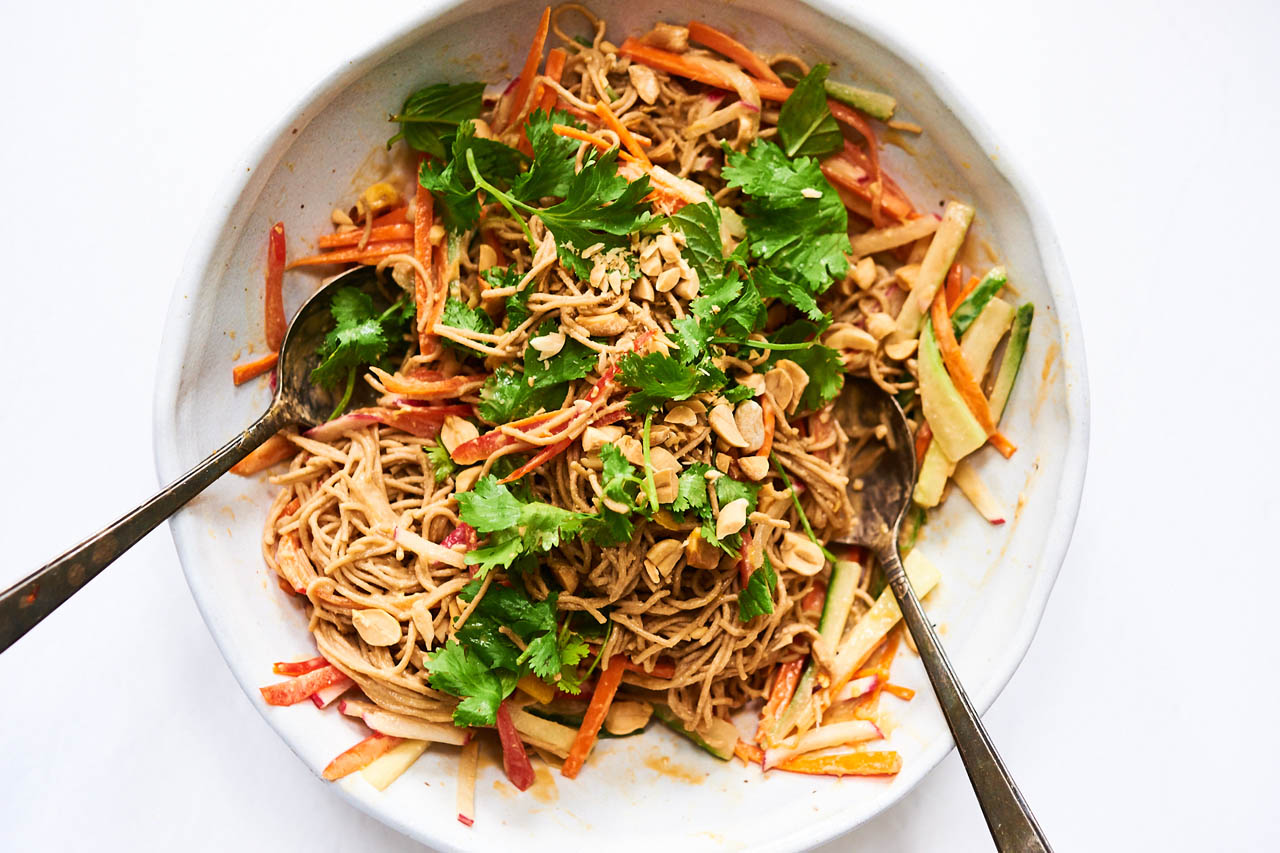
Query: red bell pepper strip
point(433, 389)
point(481, 447)
point(298, 667)
point(242, 373)
point(734, 49)
point(296, 689)
point(554, 450)
point(601, 699)
point(361, 755)
point(370, 254)
point(379, 234)
point(515, 761)
point(273, 299)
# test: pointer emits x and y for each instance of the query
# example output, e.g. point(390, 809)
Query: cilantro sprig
point(361, 336)
point(482, 665)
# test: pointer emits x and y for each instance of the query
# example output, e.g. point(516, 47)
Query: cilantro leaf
point(442, 464)
point(429, 114)
point(460, 316)
point(599, 206)
point(691, 489)
point(517, 304)
point(756, 599)
point(574, 361)
point(552, 170)
point(454, 671)
point(729, 489)
point(805, 124)
point(507, 396)
point(361, 336)
point(772, 285)
point(658, 378)
point(453, 185)
point(489, 506)
point(801, 238)
point(618, 480)
point(821, 363)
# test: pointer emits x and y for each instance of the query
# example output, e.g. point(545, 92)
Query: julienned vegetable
point(602, 471)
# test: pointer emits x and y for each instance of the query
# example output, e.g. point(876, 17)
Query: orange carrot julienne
point(737, 51)
point(520, 97)
point(273, 298)
point(628, 140)
point(954, 284)
point(767, 411)
point(906, 694)
point(394, 216)
point(963, 378)
point(700, 68)
point(547, 97)
point(242, 373)
point(370, 254)
point(581, 135)
point(748, 752)
point(879, 664)
point(361, 755)
point(423, 289)
point(971, 286)
point(601, 699)
point(923, 436)
point(275, 449)
point(845, 764)
point(380, 233)
point(784, 687)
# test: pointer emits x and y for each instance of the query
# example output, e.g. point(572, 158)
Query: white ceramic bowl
point(996, 580)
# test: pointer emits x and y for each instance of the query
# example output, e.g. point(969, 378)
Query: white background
point(1144, 715)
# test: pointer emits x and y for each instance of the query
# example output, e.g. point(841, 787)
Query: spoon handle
point(1012, 825)
point(24, 604)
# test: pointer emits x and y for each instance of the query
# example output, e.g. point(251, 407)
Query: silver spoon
point(879, 507)
point(297, 401)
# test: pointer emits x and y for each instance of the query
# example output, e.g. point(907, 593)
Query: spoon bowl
point(881, 493)
point(297, 400)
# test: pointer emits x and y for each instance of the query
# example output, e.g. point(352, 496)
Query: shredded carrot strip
point(273, 298)
point(423, 218)
point(546, 97)
point(628, 140)
point(242, 373)
point(275, 449)
point(380, 233)
point(748, 752)
point(700, 68)
point(923, 436)
point(581, 135)
point(879, 664)
point(601, 699)
point(360, 755)
point(370, 254)
point(963, 295)
point(520, 97)
point(906, 694)
point(846, 764)
point(734, 49)
point(784, 687)
point(298, 667)
point(394, 216)
point(954, 284)
point(963, 378)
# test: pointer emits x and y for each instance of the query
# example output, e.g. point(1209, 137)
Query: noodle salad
point(602, 480)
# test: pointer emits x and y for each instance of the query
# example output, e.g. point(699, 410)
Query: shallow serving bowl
point(995, 579)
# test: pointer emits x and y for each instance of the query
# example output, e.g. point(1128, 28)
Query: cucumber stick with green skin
point(835, 615)
point(973, 304)
point(1013, 354)
point(663, 715)
point(875, 104)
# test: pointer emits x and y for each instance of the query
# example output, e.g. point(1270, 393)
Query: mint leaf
point(432, 113)
point(805, 124)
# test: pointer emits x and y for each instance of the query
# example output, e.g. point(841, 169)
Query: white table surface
point(1144, 715)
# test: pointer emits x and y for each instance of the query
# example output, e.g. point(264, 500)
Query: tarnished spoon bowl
point(297, 400)
point(880, 499)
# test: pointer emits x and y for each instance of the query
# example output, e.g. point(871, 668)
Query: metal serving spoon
point(879, 507)
point(297, 401)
